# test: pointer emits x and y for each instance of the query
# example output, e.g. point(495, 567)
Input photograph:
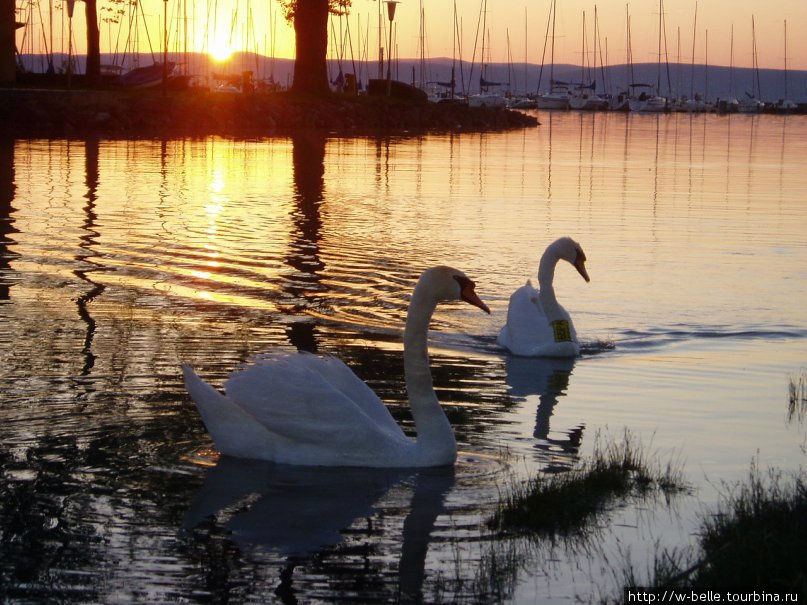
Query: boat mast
point(509, 61)
point(525, 50)
point(666, 52)
point(706, 67)
point(454, 52)
point(692, 69)
point(605, 84)
point(731, 63)
point(628, 53)
point(593, 72)
point(756, 59)
point(458, 45)
point(785, 59)
point(380, 45)
point(583, 54)
point(422, 46)
point(484, 28)
point(543, 53)
point(185, 39)
point(50, 26)
point(658, 64)
point(552, 56)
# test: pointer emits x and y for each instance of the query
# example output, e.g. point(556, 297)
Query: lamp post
point(70, 8)
point(165, 46)
point(391, 4)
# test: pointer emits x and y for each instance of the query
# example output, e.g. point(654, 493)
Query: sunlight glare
point(221, 51)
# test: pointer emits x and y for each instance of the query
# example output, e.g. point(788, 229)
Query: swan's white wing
point(528, 331)
point(342, 378)
point(309, 400)
point(526, 325)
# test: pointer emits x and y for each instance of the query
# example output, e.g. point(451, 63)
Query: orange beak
point(580, 265)
point(469, 296)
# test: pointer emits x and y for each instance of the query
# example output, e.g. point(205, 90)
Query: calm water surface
point(121, 259)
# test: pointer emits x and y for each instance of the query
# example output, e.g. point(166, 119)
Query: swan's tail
point(233, 430)
point(201, 392)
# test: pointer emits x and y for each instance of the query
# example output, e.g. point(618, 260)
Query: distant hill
point(716, 81)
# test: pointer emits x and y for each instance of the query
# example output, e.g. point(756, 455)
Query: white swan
point(537, 325)
point(308, 410)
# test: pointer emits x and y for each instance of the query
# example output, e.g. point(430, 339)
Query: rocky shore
point(150, 113)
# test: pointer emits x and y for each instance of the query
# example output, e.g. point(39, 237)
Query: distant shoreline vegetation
point(150, 113)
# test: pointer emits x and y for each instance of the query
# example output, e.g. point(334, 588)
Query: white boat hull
point(587, 103)
point(487, 100)
point(649, 105)
point(750, 106)
point(553, 101)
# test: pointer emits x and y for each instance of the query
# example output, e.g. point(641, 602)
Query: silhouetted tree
point(7, 46)
point(93, 42)
point(310, 18)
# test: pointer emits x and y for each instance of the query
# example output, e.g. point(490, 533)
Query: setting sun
point(221, 51)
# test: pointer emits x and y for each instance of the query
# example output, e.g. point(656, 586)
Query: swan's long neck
point(435, 437)
point(546, 275)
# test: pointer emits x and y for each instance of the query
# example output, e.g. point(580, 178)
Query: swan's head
point(447, 284)
point(569, 250)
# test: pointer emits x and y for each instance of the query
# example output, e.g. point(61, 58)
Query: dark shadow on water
point(7, 190)
point(308, 515)
point(548, 378)
point(303, 282)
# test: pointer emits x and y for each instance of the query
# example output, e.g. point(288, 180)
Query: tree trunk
point(8, 68)
point(311, 34)
point(93, 43)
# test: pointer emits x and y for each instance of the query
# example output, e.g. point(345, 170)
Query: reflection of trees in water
point(88, 240)
point(7, 190)
point(302, 285)
point(548, 378)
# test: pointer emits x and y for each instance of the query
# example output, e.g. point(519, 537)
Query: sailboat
point(558, 95)
point(486, 97)
point(730, 105)
point(751, 102)
point(584, 96)
point(785, 105)
point(696, 103)
point(522, 101)
point(647, 101)
point(621, 100)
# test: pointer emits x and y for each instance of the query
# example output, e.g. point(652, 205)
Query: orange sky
point(240, 24)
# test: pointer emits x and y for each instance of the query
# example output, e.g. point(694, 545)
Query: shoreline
point(59, 113)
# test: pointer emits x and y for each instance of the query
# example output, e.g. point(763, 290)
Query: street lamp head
point(391, 4)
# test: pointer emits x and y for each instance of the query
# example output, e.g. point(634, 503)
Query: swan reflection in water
point(548, 378)
point(298, 512)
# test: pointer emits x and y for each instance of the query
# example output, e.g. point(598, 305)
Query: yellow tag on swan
point(560, 327)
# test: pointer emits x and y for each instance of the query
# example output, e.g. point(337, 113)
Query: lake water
point(121, 259)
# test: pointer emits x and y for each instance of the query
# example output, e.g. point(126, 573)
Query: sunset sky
point(221, 26)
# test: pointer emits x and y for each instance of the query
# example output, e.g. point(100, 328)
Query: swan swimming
point(537, 325)
point(308, 410)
